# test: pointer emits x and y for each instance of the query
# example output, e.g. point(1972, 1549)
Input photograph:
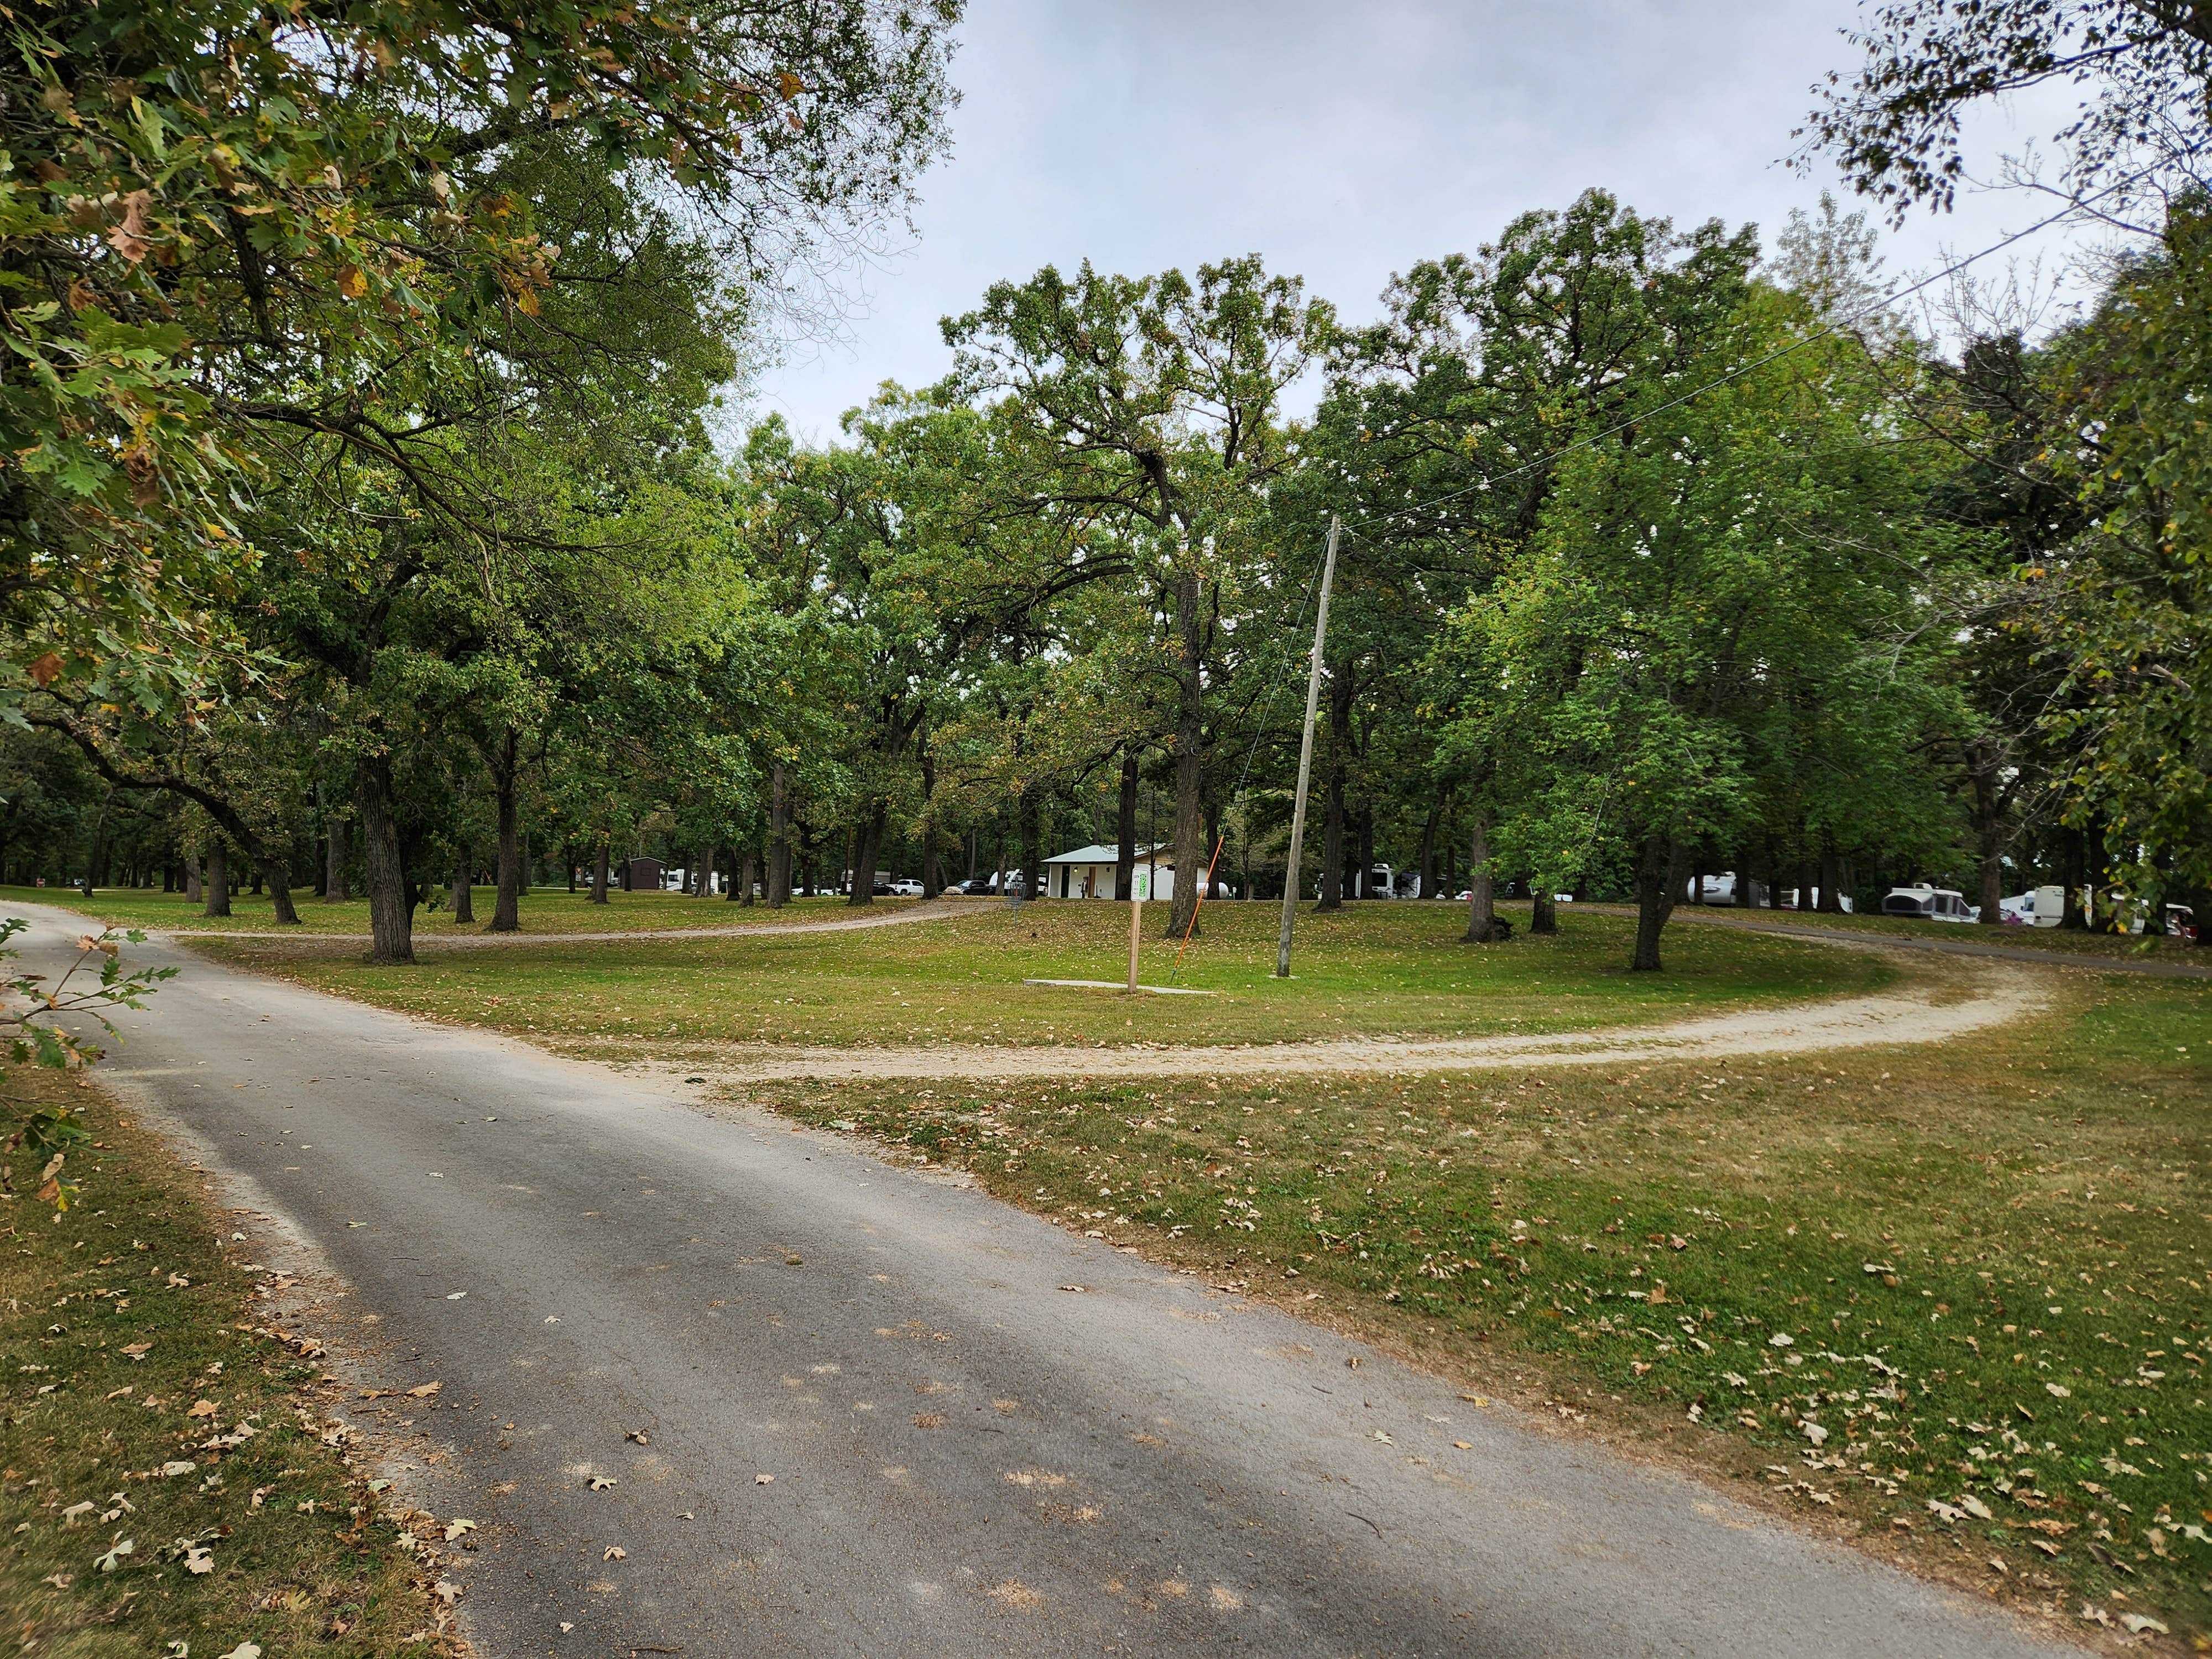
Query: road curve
point(1995, 997)
point(935, 910)
point(887, 1415)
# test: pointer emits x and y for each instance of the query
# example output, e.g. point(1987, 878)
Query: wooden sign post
point(1139, 890)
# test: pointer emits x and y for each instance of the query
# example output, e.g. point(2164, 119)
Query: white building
point(1088, 872)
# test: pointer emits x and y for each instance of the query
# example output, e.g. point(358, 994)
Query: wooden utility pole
point(1305, 759)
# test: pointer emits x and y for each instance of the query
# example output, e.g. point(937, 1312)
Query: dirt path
point(1991, 996)
point(935, 911)
point(2095, 961)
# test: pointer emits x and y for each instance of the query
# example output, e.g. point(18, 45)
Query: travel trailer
point(1930, 903)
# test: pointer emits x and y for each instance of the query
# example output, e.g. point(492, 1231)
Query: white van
point(1928, 903)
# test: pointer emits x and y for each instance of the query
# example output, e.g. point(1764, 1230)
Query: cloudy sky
point(1341, 141)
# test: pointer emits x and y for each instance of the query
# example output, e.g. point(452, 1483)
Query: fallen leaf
point(177, 1468)
point(243, 1650)
point(2057, 1390)
point(601, 1482)
point(637, 1435)
point(201, 1408)
point(107, 1563)
point(616, 1552)
point(1975, 1507)
point(1782, 1340)
point(1814, 1433)
point(454, 1529)
point(2138, 1622)
point(1464, 1445)
point(425, 1391)
point(198, 1559)
point(763, 1480)
point(136, 1350)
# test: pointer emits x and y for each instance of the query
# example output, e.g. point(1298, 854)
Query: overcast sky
point(1341, 141)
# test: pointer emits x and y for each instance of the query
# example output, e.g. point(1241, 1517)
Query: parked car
point(1930, 903)
point(906, 887)
point(980, 887)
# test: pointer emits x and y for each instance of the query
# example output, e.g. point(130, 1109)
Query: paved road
point(969, 1457)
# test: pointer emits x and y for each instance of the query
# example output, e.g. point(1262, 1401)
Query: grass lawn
point(544, 910)
point(166, 1484)
point(1381, 970)
point(1950, 1299)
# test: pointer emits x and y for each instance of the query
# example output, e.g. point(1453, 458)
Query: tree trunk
point(746, 874)
point(1190, 757)
point(779, 836)
point(506, 908)
point(391, 891)
point(2073, 866)
point(1659, 872)
point(1428, 859)
point(1832, 879)
point(276, 873)
point(218, 880)
point(1805, 900)
point(867, 842)
point(1482, 926)
point(599, 875)
point(1125, 829)
point(1030, 813)
point(1543, 911)
point(933, 878)
point(194, 892)
point(463, 892)
point(1992, 887)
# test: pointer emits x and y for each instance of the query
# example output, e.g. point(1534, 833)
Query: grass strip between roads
point(1951, 1299)
point(1382, 970)
point(169, 1487)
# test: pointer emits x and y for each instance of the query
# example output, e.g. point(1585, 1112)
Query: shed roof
point(1096, 854)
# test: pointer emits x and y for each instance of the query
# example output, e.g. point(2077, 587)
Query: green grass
point(1988, 1260)
point(544, 910)
point(299, 1558)
point(1381, 970)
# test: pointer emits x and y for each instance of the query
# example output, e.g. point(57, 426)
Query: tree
point(1895, 130)
point(1142, 413)
point(1719, 564)
point(216, 231)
